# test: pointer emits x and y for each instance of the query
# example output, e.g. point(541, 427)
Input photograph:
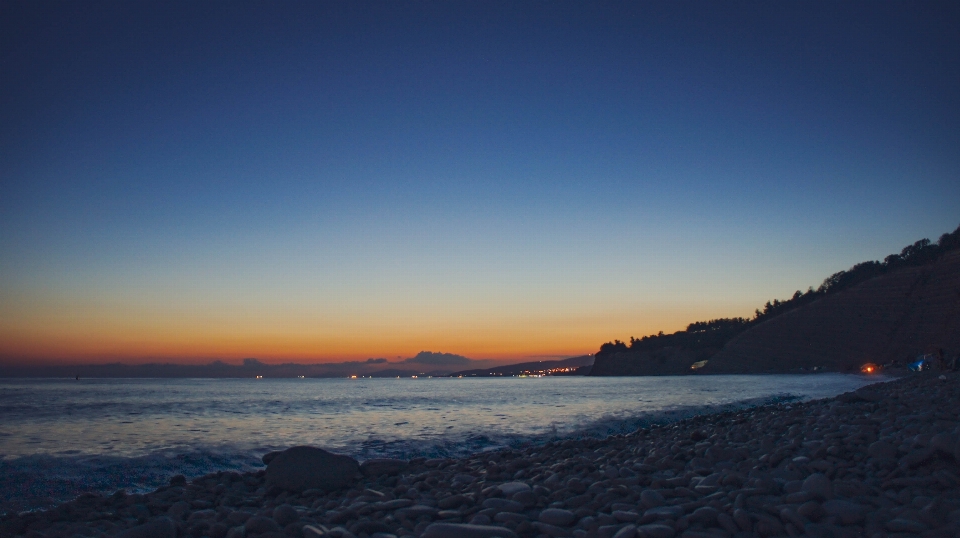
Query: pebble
point(159, 528)
point(656, 531)
point(818, 485)
point(455, 530)
point(511, 488)
point(557, 517)
point(879, 461)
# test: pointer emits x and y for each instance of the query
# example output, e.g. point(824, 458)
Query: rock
point(742, 519)
point(236, 518)
point(526, 498)
point(628, 516)
point(311, 531)
point(630, 531)
point(306, 467)
point(557, 517)
point(705, 515)
point(651, 498)
point(461, 479)
point(551, 530)
point(268, 457)
point(818, 484)
point(768, 526)
point(916, 457)
point(789, 516)
point(238, 532)
point(383, 466)
point(162, 527)
point(503, 505)
point(868, 394)
point(369, 527)
point(417, 510)
point(402, 503)
point(511, 488)
point(848, 512)
point(882, 450)
point(452, 501)
point(178, 509)
point(503, 517)
point(800, 497)
point(465, 530)
point(655, 531)
point(944, 442)
point(285, 515)
point(260, 525)
point(726, 522)
point(664, 512)
point(811, 510)
point(905, 525)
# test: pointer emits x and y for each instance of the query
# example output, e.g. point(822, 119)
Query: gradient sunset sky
point(341, 180)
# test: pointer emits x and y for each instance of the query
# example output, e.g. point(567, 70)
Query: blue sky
point(345, 180)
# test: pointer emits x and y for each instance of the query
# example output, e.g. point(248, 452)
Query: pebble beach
point(881, 461)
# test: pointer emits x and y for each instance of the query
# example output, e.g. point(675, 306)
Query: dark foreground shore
point(878, 462)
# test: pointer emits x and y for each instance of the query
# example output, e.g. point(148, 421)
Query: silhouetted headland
point(886, 313)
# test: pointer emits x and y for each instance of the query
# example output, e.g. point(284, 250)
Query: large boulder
point(305, 467)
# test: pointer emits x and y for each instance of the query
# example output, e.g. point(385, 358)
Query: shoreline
point(849, 465)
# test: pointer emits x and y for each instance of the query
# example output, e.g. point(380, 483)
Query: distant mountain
point(877, 312)
point(424, 363)
point(430, 358)
point(572, 366)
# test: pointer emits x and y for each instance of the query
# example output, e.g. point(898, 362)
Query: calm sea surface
point(59, 437)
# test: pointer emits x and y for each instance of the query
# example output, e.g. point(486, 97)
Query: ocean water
point(61, 437)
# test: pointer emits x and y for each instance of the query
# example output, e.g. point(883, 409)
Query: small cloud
point(376, 361)
point(438, 359)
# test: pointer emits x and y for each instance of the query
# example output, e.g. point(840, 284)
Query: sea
point(63, 437)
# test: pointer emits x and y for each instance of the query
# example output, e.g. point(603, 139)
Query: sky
point(325, 181)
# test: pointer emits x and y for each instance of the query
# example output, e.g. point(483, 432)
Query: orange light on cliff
point(868, 368)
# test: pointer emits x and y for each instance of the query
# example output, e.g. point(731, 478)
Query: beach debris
point(305, 467)
point(923, 362)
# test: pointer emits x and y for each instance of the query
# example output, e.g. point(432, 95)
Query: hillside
point(571, 366)
point(893, 317)
point(879, 312)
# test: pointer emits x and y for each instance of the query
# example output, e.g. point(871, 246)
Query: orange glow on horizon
point(497, 340)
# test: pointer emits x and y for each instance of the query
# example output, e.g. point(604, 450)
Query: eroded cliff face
point(893, 317)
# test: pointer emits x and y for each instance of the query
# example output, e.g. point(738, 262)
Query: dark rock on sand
point(305, 467)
